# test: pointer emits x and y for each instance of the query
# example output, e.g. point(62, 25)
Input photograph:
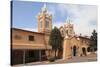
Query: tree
point(93, 43)
point(55, 39)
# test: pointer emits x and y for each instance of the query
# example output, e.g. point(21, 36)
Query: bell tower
point(44, 20)
point(69, 28)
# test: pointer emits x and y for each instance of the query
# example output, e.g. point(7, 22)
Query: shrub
point(51, 59)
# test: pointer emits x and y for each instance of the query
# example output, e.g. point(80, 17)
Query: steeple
point(69, 27)
point(44, 20)
point(68, 20)
point(44, 8)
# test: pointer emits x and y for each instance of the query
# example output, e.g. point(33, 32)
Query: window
point(18, 37)
point(40, 24)
point(31, 38)
point(88, 49)
point(70, 31)
point(47, 24)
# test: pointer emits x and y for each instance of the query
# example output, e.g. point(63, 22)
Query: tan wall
point(38, 38)
point(82, 43)
point(69, 43)
point(24, 38)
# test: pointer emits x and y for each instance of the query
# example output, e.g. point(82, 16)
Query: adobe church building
point(73, 45)
point(29, 46)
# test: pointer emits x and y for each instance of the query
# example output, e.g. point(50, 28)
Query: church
point(29, 46)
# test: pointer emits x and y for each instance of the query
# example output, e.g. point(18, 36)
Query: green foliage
point(51, 59)
point(55, 39)
point(93, 44)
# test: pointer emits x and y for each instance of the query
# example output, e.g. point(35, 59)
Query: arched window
point(88, 49)
point(47, 24)
point(41, 25)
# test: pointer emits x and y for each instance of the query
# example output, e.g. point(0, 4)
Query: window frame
point(31, 38)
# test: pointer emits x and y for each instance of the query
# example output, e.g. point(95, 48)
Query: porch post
point(40, 55)
point(24, 56)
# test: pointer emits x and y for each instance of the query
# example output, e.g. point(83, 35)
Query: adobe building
point(28, 46)
point(73, 45)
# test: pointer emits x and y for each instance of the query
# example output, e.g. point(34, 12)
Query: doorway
point(84, 51)
point(74, 50)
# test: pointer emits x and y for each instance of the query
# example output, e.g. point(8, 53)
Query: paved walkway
point(89, 58)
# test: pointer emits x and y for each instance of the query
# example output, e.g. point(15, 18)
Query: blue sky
point(83, 17)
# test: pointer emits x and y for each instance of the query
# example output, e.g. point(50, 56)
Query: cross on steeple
point(44, 8)
point(68, 20)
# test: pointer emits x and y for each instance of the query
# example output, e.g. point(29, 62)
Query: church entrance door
point(74, 50)
point(84, 51)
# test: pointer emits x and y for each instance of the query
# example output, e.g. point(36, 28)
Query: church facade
point(73, 45)
point(29, 46)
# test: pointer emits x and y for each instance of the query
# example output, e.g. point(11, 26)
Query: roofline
point(84, 37)
point(26, 30)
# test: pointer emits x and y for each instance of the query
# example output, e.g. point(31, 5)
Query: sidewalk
point(89, 58)
point(39, 63)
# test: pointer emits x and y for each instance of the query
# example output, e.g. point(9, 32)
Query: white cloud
point(81, 16)
point(58, 24)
